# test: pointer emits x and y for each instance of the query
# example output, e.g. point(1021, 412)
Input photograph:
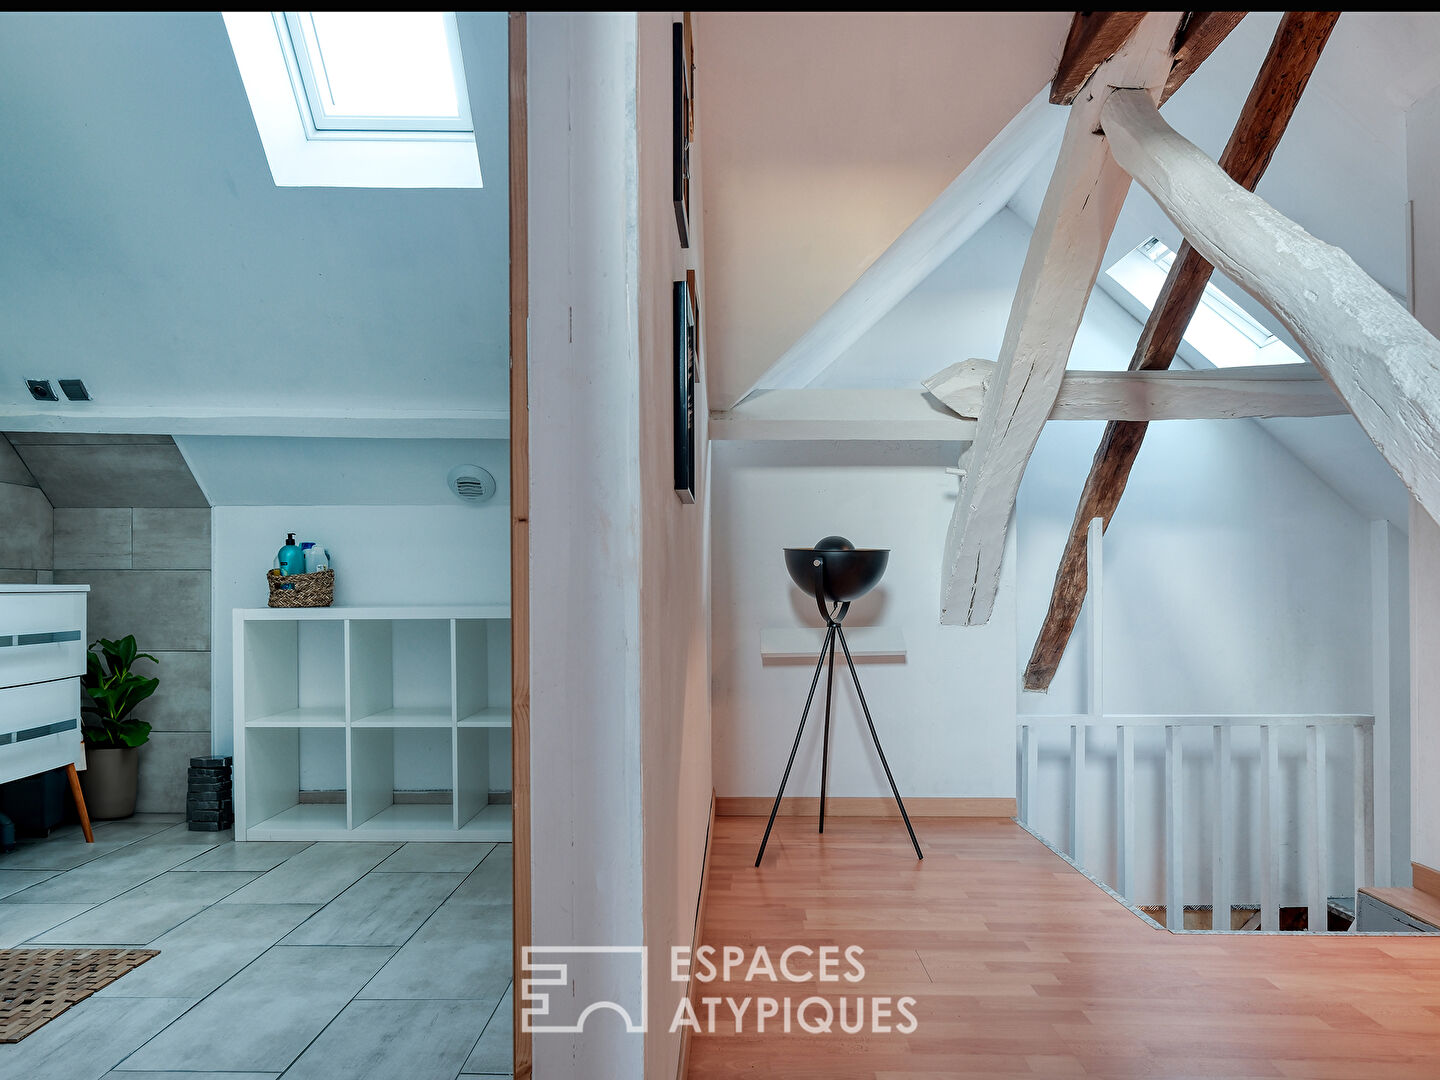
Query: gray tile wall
point(131, 523)
point(25, 522)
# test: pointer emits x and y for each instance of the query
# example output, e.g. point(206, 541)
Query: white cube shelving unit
point(345, 693)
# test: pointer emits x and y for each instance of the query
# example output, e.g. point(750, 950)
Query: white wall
point(674, 598)
point(585, 749)
point(466, 553)
point(945, 716)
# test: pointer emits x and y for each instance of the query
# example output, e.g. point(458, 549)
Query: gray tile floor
point(332, 961)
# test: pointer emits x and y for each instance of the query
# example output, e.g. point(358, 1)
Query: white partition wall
point(345, 699)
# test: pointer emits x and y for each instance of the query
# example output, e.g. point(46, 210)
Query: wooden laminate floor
point(1021, 967)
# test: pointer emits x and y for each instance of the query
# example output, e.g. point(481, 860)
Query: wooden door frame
point(519, 522)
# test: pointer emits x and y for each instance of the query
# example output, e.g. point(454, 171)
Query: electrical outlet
point(41, 390)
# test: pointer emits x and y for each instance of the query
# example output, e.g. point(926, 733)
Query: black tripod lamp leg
point(875, 736)
point(825, 750)
point(828, 646)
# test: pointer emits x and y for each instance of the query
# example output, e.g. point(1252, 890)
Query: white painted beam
point(840, 415)
point(1269, 823)
point(1077, 793)
point(971, 200)
point(1220, 868)
point(1081, 204)
point(1317, 832)
point(216, 420)
point(1124, 811)
point(1222, 394)
point(1382, 362)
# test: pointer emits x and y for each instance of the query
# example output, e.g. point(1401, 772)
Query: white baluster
point(1318, 832)
point(1029, 752)
point(1364, 769)
point(1077, 793)
point(1269, 819)
point(1124, 811)
point(1224, 818)
point(1174, 861)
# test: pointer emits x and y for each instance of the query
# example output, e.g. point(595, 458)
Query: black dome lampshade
point(835, 572)
point(848, 572)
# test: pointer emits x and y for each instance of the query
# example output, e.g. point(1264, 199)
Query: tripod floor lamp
point(836, 573)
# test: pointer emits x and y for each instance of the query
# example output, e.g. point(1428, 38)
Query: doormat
point(37, 985)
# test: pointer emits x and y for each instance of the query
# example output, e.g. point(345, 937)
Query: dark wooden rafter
point(1287, 68)
point(1198, 38)
point(1094, 37)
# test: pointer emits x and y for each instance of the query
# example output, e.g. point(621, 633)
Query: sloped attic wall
point(1236, 580)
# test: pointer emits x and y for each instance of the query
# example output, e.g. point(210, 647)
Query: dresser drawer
point(39, 727)
point(42, 637)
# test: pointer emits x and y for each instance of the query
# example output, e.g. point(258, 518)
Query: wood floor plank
point(1021, 967)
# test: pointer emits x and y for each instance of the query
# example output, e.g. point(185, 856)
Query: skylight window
point(1221, 331)
point(378, 71)
point(358, 99)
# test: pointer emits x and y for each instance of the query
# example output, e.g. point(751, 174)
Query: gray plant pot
point(109, 781)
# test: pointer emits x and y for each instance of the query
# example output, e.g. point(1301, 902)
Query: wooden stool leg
point(80, 802)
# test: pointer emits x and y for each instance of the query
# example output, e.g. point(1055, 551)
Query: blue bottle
point(291, 557)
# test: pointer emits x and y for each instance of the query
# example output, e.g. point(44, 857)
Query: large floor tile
point(315, 876)
point(202, 953)
point(379, 909)
point(20, 922)
point(61, 852)
point(12, 881)
point(85, 1042)
point(141, 915)
point(191, 1076)
point(436, 858)
point(263, 1018)
point(255, 855)
point(384, 1040)
point(494, 1054)
point(460, 952)
point(115, 872)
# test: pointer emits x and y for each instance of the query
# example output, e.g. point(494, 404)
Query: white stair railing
point(1319, 729)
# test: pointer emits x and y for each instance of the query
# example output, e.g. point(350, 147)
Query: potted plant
point(112, 736)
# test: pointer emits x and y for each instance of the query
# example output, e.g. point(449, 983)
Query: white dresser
point(42, 656)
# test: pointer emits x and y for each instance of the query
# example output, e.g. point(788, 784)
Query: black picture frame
point(683, 111)
point(687, 359)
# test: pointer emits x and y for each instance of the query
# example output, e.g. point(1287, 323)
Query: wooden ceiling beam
point(1094, 37)
point(1276, 92)
point(1198, 38)
point(1221, 394)
point(1066, 248)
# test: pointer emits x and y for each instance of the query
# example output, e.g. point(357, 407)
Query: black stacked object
point(210, 806)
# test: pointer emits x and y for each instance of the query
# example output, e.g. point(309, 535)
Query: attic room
point(447, 457)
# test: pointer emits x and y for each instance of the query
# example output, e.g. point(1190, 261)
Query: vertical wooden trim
point(698, 936)
point(1381, 674)
point(1095, 567)
point(1363, 769)
point(520, 517)
point(1030, 761)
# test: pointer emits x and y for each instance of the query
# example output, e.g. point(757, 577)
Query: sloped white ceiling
point(821, 136)
point(145, 248)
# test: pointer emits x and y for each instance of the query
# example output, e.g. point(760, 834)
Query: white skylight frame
point(357, 160)
point(1221, 331)
point(300, 41)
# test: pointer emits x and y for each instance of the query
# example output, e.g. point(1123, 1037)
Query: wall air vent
point(471, 483)
point(74, 390)
point(41, 390)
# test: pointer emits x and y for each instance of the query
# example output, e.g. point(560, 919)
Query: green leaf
point(132, 732)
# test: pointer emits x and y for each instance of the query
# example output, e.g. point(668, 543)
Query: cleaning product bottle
point(316, 557)
point(291, 557)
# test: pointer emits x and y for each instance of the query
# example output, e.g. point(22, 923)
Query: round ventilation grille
point(471, 483)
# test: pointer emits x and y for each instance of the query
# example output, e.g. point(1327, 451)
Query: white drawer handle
point(50, 638)
point(26, 734)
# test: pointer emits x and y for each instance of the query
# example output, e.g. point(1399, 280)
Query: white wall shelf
point(365, 694)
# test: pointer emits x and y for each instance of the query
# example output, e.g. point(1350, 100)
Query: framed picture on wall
point(686, 358)
point(684, 123)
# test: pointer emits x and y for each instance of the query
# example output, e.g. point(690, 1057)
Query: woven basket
point(302, 590)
